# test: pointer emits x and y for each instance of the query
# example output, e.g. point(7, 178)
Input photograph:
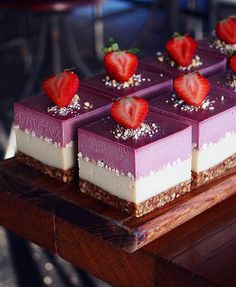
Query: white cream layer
point(213, 153)
point(139, 190)
point(45, 151)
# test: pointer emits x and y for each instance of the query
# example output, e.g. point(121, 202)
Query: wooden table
point(200, 252)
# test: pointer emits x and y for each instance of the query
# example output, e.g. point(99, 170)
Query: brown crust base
point(62, 175)
point(203, 177)
point(130, 207)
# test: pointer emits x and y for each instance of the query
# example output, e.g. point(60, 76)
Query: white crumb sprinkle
point(178, 103)
point(228, 49)
point(73, 108)
point(231, 81)
point(134, 81)
point(144, 130)
point(196, 62)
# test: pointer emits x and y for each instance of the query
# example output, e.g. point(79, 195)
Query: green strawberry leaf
point(177, 35)
point(114, 47)
point(133, 51)
point(111, 41)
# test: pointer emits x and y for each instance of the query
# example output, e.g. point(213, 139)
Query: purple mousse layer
point(31, 114)
point(212, 64)
point(207, 125)
point(140, 156)
point(153, 83)
point(221, 82)
point(206, 45)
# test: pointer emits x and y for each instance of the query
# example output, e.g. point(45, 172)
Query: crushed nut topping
point(205, 105)
point(231, 81)
point(196, 62)
point(134, 81)
point(73, 109)
point(144, 130)
point(228, 49)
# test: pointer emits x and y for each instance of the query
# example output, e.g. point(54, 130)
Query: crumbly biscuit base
point(131, 208)
point(203, 177)
point(62, 175)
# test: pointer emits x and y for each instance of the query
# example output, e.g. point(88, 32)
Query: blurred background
point(38, 38)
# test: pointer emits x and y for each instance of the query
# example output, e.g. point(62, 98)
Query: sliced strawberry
point(232, 63)
point(181, 49)
point(61, 88)
point(120, 65)
point(192, 88)
point(226, 30)
point(130, 112)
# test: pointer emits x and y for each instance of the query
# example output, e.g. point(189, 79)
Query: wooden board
point(200, 252)
point(66, 202)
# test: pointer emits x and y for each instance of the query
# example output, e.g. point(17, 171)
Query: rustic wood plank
point(103, 259)
point(202, 226)
point(21, 213)
point(206, 246)
point(221, 266)
point(30, 203)
point(205, 249)
point(105, 222)
point(171, 275)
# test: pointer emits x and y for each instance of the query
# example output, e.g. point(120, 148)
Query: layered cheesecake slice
point(135, 168)
point(123, 77)
point(213, 124)
point(46, 134)
point(224, 42)
point(182, 56)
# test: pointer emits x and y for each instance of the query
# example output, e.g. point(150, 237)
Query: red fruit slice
point(226, 30)
point(232, 63)
point(130, 112)
point(120, 65)
point(192, 88)
point(61, 88)
point(181, 49)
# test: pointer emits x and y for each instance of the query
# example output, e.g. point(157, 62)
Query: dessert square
point(206, 64)
point(135, 170)
point(46, 135)
point(143, 84)
point(213, 131)
point(225, 83)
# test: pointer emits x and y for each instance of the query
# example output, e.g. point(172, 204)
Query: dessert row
point(145, 131)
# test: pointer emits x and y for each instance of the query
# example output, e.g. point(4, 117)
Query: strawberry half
point(192, 88)
point(232, 63)
point(226, 30)
point(130, 112)
point(181, 49)
point(61, 88)
point(120, 65)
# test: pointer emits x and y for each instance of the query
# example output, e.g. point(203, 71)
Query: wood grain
point(103, 259)
point(26, 214)
point(199, 252)
point(105, 222)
